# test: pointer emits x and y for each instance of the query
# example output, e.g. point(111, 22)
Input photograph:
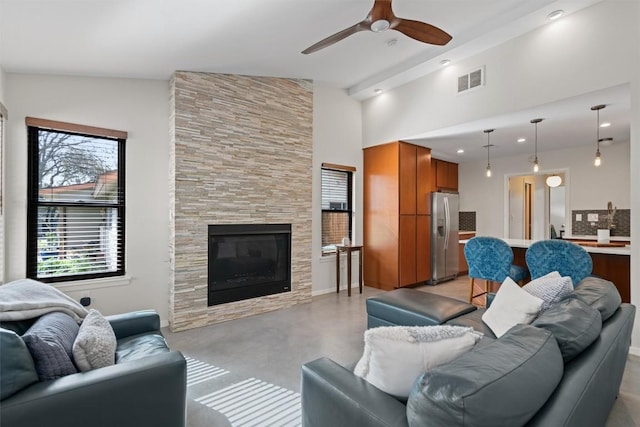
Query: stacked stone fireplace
point(241, 152)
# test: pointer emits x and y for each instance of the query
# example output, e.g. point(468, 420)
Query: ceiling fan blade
point(420, 31)
point(360, 26)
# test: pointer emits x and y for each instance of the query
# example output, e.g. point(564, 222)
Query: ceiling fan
point(381, 18)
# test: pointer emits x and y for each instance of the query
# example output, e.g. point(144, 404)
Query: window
point(76, 201)
point(337, 212)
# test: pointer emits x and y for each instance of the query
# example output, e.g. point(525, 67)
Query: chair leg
point(471, 291)
point(487, 289)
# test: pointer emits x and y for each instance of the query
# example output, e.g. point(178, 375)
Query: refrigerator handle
point(447, 222)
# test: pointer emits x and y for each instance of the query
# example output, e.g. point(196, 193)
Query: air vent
point(471, 80)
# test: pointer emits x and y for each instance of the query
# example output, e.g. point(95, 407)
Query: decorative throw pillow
point(17, 370)
point(50, 340)
point(551, 288)
point(95, 345)
point(395, 356)
point(512, 305)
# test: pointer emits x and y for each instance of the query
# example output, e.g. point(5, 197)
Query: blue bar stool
point(491, 259)
point(567, 258)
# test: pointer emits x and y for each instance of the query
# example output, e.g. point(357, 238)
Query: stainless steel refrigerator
point(444, 237)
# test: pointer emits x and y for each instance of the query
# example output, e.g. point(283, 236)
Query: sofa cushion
point(600, 294)
point(573, 323)
point(512, 305)
point(550, 288)
point(140, 346)
point(394, 356)
point(498, 384)
point(95, 345)
point(16, 364)
point(50, 341)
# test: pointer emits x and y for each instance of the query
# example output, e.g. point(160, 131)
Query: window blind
point(336, 207)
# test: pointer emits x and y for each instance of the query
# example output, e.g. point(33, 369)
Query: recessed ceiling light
point(460, 151)
point(377, 91)
point(605, 125)
point(521, 139)
point(555, 15)
point(445, 62)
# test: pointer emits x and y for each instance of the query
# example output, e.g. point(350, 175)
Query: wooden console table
point(348, 249)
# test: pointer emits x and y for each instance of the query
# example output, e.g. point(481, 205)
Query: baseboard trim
point(635, 351)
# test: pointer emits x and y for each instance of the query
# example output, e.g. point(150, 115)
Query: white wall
point(140, 107)
point(2, 179)
point(635, 192)
point(337, 138)
point(2, 86)
point(588, 187)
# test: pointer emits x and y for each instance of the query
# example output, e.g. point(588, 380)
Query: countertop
point(522, 243)
point(592, 237)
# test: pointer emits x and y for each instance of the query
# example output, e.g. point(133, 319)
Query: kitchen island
point(611, 263)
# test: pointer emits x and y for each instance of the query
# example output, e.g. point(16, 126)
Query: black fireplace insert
point(248, 261)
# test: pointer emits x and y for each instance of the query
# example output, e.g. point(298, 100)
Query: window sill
point(81, 285)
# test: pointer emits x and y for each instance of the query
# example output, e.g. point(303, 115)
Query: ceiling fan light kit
point(381, 18)
point(380, 25)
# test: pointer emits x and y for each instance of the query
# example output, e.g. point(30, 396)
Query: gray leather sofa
point(146, 386)
point(533, 375)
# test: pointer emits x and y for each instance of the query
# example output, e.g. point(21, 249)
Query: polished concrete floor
point(270, 348)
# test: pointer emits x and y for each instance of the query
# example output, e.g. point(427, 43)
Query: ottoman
point(409, 307)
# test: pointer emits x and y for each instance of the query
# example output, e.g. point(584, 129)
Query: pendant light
point(536, 165)
point(488, 147)
point(597, 109)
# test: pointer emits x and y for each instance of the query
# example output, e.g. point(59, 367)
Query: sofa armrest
point(149, 391)
point(134, 323)
point(334, 396)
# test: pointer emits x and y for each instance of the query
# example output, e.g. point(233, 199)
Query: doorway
point(533, 206)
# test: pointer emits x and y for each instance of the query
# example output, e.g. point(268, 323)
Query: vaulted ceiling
point(153, 38)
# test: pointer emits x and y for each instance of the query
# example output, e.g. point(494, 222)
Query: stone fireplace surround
point(241, 151)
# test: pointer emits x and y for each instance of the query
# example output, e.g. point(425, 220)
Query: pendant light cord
point(598, 130)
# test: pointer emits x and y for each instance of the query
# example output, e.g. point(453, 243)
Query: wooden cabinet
point(446, 175)
point(397, 183)
point(463, 268)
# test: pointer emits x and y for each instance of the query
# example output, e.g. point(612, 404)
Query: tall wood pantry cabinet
point(397, 217)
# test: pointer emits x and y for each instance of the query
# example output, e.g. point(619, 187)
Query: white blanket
point(26, 299)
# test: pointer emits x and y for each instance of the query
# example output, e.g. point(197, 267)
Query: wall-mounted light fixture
point(554, 181)
point(536, 165)
point(597, 108)
point(488, 147)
